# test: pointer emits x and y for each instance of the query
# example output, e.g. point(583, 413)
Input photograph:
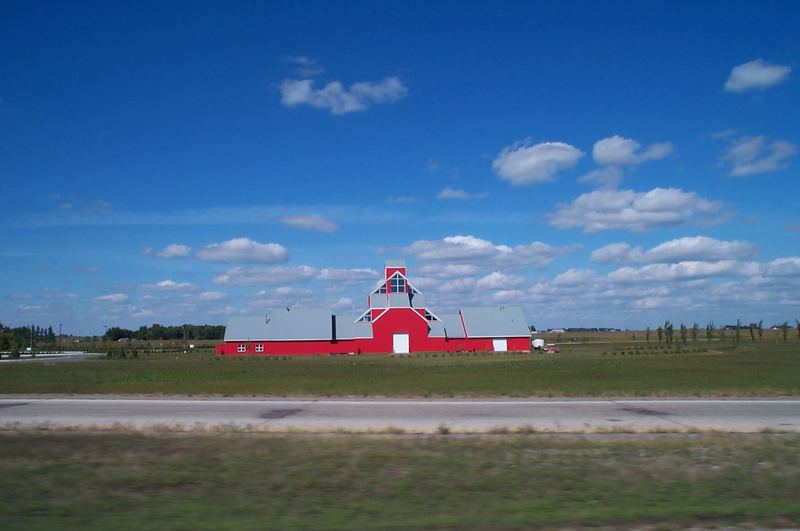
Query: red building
point(397, 321)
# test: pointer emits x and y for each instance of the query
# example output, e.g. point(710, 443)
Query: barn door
point(500, 345)
point(400, 343)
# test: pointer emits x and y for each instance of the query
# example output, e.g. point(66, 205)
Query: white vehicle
point(538, 344)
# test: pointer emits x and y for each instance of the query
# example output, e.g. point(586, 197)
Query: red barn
point(397, 321)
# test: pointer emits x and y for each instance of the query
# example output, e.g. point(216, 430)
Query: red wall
point(397, 320)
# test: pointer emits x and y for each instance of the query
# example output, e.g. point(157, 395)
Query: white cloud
point(304, 66)
point(756, 75)
point(401, 199)
point(574, 277)
point(619, 151)
point(524, 163)
point(499, 280)
point(453, 193)
point(338, 99)
point(447, 270)
point(243, 250)
point(615, 154)
point(783, 267)
point(694, 248)
point(313, 222)
point(168, 285)
point(616, 253)
point(343, 302)
point(470, 249)
point(242, 276)
point(629, 210)
point(750, 155)
point(607, 177)
point(211, 296)
point(348, 275)
point(680, 271)
point(173, 250)
point(115, 298)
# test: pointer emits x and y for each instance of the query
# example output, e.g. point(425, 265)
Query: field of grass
point(603, 369)
point(249, 481)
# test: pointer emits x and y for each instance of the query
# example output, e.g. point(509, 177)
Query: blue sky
point(600, 164)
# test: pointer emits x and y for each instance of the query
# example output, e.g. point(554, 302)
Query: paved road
point(409, 415)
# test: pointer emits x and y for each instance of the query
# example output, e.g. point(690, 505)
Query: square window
point(241, 348)
point(259, 348)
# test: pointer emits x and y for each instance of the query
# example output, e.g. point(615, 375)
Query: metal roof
point(399, 300)
point(452, 326)
point(505, 321)
point(242, 328)
point(394, 263)
point(436, 329)
point(417, 300)
point(298, 324)
point(347, 329)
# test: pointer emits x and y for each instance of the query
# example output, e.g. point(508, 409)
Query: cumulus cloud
point(619, 151)
point(401, 199)
point(750, 155)
point(439, 270)
point(304, 66)
point(615, 154)
point(453, 193)
point(243, 250)
point(756, 75)
point(314, 222)
point(115, 298)
point(168, 285)
point(173, 250)
point(574, 277)
point(211, 296)
point(470, 249)
point(681, 271)
point(243, 276)
point(630, 210)
point(694, 248)
point(499, 280)
point(338, 99)
point(526, 163)
point(348, 275)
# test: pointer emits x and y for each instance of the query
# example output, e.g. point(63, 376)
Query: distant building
point(397, 321)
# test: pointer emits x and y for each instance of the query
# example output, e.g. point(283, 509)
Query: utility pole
point(60, 345)
point(31, 344)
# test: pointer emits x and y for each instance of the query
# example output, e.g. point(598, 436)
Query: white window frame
point(241, 347)
point(259, 347)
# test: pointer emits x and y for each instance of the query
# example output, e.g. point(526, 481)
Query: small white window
point(259, 348)
point(241, 348)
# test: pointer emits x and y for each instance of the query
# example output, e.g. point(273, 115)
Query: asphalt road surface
point(471, 415)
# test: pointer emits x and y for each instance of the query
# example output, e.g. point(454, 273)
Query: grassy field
point(226, 481)
point(581, 369)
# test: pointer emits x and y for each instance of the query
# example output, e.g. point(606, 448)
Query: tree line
point(164, 333)
point(666, 333)
point(20, 337)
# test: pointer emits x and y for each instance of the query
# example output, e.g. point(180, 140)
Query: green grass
point(623, 369)
point(250, 481)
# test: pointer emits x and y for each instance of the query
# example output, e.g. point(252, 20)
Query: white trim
point(382, 313)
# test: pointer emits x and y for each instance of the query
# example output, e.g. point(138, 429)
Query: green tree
point(647, 334)
point(752, 329)
point(695, 329)
point(737, 334)
point(760, 329)
point(785, 330)
point(710, 331)
point(660, 332)
point(683, 333)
